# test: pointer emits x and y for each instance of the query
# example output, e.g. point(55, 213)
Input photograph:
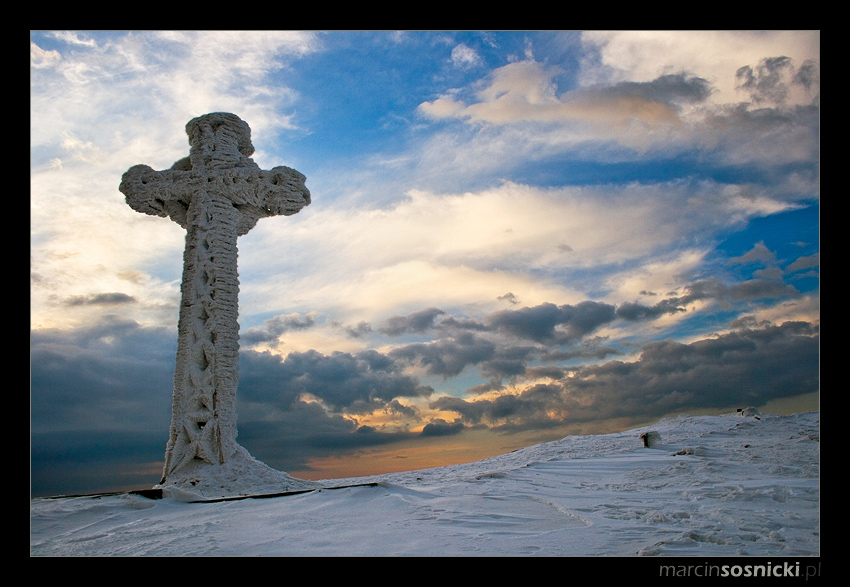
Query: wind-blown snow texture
point(716, 485)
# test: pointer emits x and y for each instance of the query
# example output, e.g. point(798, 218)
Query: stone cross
point(217, 193)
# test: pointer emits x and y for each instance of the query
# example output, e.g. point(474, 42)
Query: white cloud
point(73, 38)
point(96, 110)
point(517, 91)
point(39, 58)
point(521, 114)
point(429, 249)
point(522, 100)
point(116, 90)
point(442, 107)
point(713, 55)
point(467, 250)
point(465, 57)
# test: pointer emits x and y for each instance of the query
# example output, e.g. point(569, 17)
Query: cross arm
point(254, 193)
point(158, 193)
point(278, 192)
point(285, 192)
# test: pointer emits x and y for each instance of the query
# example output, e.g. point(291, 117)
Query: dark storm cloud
point(417, 322)
point(770, 81)
point(634, 311)
point(110, 383)
point(744, 367)
point(508, 362)
point(78, 462)
point(353, 383)
point(765, 127)
point(504, 367)
point(440, 427)
point(748, 366)
point(470, 412)
point(710, 288)
point(510, 297)
point(396, 407)
point(274, 327)
point(756, 289)
point(447, 357)
point(100, 406)
point(658, 100)
point(591, 353)
point(551, 324)
point(774, 127)
point(746, 290)
point(808, 76)
point(306, 430)
point(536, 323)
point(676, 88)
point(452, 325)
point(531, 408)
point(545, 324)
point(359, 330)
point(758, 254)
point(714, 289)
point(804, 263)
point(115, 374)
point(100, 299)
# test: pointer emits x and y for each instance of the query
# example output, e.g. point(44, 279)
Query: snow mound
point(240, 475)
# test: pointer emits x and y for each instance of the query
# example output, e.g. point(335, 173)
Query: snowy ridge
point(740, 484)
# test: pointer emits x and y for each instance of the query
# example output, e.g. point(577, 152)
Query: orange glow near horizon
point(413, 455)
point(475, 445)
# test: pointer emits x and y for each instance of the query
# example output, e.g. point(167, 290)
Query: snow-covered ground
point(741, 484)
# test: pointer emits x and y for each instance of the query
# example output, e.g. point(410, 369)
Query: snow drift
point(739, 484)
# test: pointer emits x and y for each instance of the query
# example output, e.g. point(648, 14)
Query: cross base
point(241, 474)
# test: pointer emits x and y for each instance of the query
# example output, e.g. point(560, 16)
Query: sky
point(513, 236)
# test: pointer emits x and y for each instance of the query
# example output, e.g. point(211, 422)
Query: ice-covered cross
point(217, 193)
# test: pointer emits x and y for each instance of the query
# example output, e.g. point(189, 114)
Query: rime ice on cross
point(217, 194)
